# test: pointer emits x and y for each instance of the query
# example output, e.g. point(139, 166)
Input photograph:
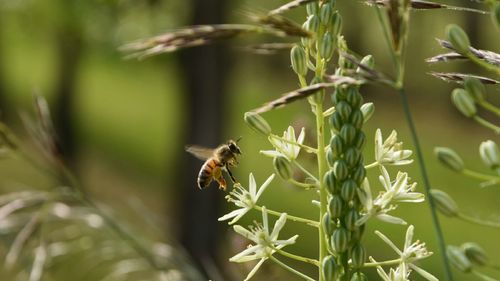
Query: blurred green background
point(129, 120)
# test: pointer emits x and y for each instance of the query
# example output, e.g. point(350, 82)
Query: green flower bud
point(336, 24)
point(257, 123)
point(299, 60)
point(335, 206)
point(339, 94)
point(368, 109)
point(340, 169)
point(336, 121)
point(331, 271)
point(348, 133)
point(463, 102)
point(306, 41)
point(313, 23)
point(354, 98)
point(475, 88)
point(351, 218)
point(327, 46)
point(444, 203)
point(344, 109)
point(359, 276)
point(348, 189)
point(330, 181)
point(458, 259)
point(332, 2)
point(283, 167)
point(312, 8)
point(352, 156)
point(495, 13)
point(358, 256)
point(326, 14)
point(490, 154)
point(360, 140)
point(458, 39)
point(339, 240)
point(357, 119)
point(449, 158)
point(359, 174)
point(337, 145)
point(367, 61)
point(330, 157)
point(328, 224)
point(475, 253)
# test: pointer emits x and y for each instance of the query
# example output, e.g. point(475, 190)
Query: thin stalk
point(305, 171)
point(307, 148)
point(301, 184)
point(382, 263)
point(372, 165)
point(486, 124)
point(387, 38)
point(298, 273)
point(478, 175)
point(490, 107)
point(482, 276)
point(296, 257)
point(484, 64)
point(289, 217)
point(477, 221)
point(427, 185)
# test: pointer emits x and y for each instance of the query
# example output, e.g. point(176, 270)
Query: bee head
point(233, 147)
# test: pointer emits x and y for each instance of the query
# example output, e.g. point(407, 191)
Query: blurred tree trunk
point(204, 70)
point(69, 49)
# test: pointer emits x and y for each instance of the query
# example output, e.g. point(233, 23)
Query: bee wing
point(202, 153)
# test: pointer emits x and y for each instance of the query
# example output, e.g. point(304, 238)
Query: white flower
point(373, 208)
point(398, 274)
point(266, 242)
point(245, 199)
point(412, 252)
point(390, 152)
point(286, 148)
point(399, 191)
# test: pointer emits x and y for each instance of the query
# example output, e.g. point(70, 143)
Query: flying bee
point(216, 160)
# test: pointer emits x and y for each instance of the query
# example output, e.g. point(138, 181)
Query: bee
point(216, 160)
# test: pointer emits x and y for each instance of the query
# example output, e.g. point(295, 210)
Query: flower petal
point(271, 153)
point(278, 225)
point(244, 232)
point(391, 219)
point(244, 255)
point(252, 184)
point(409, 236)
point(230, 215)
point(423, 273)
point(255, 268)
point(388, 242)
point(263, 187)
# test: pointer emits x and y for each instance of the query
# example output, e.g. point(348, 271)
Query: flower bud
point(337, 145)
point(348, 133)
point(339, 94)
point(368, 61)
point(348, 189)
point(335, 206)
point(326, 14)
point(444, 203)
point(312, 8)
point(354, 98)
point(331, 271)
point(306, 41)
point(299, 60)
point(359, 174)
point(344, 109)
point(360, 140)
point(357, 119)
point(340, 169)
point(336, 23)
point(358, 256)
point(336, 121)
point(339, 240)
point(257, 123)
point(350, 219)
point(283, 167)
point(368, 109)
point(328, 224)
point(475, 88)
point(313, 23)
point(463, 102)
point(330, 181)
point(475, 253)
point(330, 157)
point(359, 276)
point(449, 158)
point(327, 46)
point(458, 39)
point(458, 259)
point(490, 154)
point(352, 156)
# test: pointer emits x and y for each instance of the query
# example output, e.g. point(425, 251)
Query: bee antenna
point(238, 139)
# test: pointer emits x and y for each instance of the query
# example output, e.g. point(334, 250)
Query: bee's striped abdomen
point(206, 173)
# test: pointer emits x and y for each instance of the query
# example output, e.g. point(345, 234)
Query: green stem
point(387, 38)
point(490, 107)
point(482, 276)
point(486, 124)
point(484, 64)
point(478, 175)
point(427, 185)
point(382, 263)
point(307, 148)
point(296, 257)
point(477, 221)
point(301, 184)
point(298, 273)
point(289, 217)
point(372, 165)
point(305, 171)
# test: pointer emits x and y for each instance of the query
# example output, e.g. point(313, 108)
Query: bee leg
point(222, 183)
point(231, 175)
